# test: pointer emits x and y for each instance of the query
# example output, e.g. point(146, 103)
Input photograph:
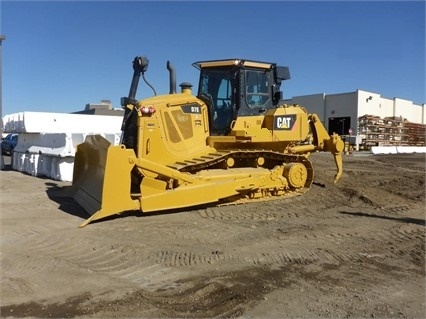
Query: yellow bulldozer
point(235, 141)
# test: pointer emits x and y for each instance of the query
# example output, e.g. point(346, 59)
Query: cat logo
point(284, 122)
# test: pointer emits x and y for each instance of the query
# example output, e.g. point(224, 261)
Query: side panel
point(175, 131)
point(285, 124)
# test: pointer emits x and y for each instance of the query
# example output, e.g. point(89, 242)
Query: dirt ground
point(351, 250)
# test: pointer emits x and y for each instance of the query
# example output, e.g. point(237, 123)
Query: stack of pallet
point(376, 131)
point(416, 133)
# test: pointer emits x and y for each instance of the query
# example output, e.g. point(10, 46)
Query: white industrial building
point(340, 112)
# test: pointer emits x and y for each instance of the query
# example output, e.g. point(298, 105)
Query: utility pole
point(2, 38)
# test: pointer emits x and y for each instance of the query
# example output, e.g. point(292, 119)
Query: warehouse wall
point(342, 106)
point(408, 110)
point(373, 104)
point(314, 103)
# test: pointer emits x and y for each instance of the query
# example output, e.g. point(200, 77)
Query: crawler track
point(249, 158)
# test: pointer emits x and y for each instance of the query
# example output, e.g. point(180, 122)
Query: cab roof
point(233, 62)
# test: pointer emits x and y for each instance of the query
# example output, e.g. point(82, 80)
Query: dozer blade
point(101, 178)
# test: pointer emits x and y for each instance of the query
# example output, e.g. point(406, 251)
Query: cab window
point(257, 88)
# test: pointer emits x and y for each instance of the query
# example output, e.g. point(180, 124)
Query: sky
point(59, 56)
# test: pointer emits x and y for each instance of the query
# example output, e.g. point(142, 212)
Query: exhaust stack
point(172, 77)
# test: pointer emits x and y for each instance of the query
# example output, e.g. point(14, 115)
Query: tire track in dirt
point(28, 265)
point(117, 262)
point(312, 205)
point(32, 231)
point(125, 262)
point(216, 214)
point(150, 267)
point(370, 243)
point(366, 239)
point(188, 258)
point(274, 257)
point(47, 254)
point(277, 257)
point(16, 286)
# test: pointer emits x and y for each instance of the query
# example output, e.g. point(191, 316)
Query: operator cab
point(234, 88)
